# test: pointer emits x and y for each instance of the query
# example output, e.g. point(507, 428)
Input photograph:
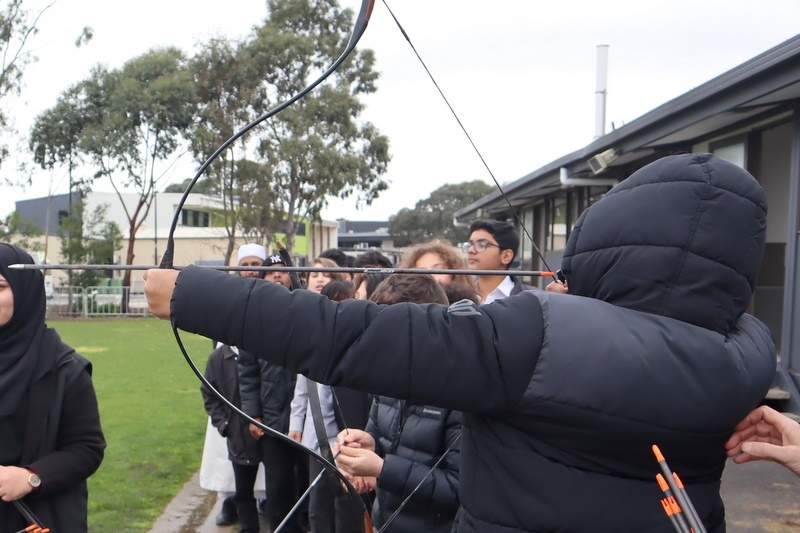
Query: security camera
point(601, 161)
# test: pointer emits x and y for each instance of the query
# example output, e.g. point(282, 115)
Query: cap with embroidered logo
point(274, 259)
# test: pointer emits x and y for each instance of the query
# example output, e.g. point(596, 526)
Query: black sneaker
point(227, 515)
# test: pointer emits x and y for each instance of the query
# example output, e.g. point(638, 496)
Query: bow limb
point(328, 465)
point(167, 259)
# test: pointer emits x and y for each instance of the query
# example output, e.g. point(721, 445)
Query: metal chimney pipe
point(601, 91)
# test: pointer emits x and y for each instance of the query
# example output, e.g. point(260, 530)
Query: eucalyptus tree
point(259, 213)
point(319, 147)
point(54, 142)
point(18, 25)
point(55, 136)
point(432, 217)
point(88, 238)
point(224, 95)
point(15, 230)
point(129, 129)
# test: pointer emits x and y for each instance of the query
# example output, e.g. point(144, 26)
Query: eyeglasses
point(480, 245)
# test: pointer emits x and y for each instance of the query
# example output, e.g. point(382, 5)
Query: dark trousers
point(245, 478)
point(331, 508)
point(285, 466)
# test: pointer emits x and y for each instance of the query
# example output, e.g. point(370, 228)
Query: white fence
point(96, 301)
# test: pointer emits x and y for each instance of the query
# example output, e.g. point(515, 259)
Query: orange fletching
point(674, 504)
point(667, 507)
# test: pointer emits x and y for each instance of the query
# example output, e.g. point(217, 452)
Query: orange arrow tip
point(662, 482)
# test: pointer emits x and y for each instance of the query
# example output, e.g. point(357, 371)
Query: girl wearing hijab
point(50, 435)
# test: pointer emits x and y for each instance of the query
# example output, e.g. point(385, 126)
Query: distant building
point(200, 237)
point(356, 236)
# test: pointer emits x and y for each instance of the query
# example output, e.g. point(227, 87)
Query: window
point(731, 149)
point(194, 219)
point(556, 223)
point(299, 228)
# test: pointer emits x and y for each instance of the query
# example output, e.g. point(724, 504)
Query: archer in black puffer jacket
point(563, 395)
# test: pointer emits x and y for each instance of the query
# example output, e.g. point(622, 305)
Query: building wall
point(44, 212)
point(774, 176)
point(205, 245)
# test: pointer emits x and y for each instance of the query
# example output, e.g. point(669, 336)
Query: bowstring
point(469, 138)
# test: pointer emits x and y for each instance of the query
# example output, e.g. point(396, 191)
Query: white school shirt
point(501, 291)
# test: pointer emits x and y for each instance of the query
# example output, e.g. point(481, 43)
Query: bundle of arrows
point(676, 503)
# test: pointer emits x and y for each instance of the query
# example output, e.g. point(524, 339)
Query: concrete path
point(761, 497)
point(193, 510)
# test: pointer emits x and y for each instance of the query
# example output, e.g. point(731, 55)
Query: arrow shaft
point(349, 270)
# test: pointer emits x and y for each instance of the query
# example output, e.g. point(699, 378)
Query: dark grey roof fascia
point(750, 71)
point(764, 73)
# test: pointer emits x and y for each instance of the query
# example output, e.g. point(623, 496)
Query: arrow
point(349, 270)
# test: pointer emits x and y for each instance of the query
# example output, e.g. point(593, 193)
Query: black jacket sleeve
point(219, 413)
point(428, 354)
point(250, 384)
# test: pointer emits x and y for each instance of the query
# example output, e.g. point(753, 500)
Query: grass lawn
point(151, 412)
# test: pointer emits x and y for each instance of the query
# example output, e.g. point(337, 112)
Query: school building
point(200, 236)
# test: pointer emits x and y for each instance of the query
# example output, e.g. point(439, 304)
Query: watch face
point(34, 481)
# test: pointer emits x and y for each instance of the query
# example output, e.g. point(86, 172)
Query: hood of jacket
point(682, 237)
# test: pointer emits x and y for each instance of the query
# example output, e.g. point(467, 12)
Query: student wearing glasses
point(493, 245)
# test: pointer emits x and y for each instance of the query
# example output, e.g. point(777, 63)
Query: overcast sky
point(519, 73)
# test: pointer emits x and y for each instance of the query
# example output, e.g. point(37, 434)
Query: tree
point(433, 217)
point(17, 26)
point(88, 239)
point(224, 93)
point(205, 185)
point(56, 134)
point(258, 208)
point(131, 123)
point(317, 147)
point(14, 230)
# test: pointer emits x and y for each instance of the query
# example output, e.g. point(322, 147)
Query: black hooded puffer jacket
point(563, 396)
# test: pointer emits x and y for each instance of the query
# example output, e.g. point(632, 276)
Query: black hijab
point(26, 345)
